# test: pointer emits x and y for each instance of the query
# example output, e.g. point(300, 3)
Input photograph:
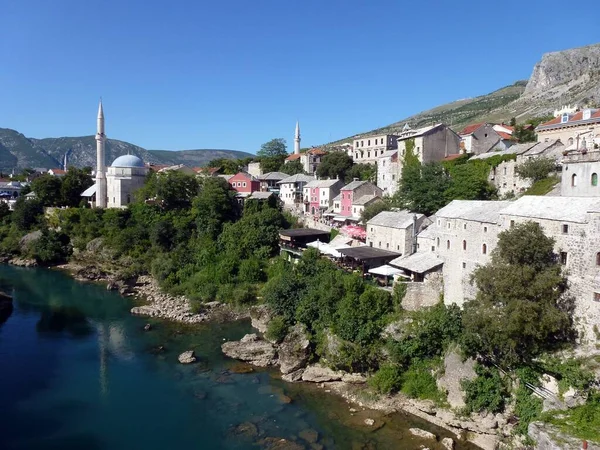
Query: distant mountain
point(18, 152)
point(560, 78)
point(196, 158)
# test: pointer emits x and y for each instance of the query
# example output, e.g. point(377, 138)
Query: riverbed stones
point(318, 374)
point(448, 443)
point(294, 350)
point(422, 433)
point(251, 349)
point(309, 435)
point(354, 378)
point(273, 443)
point(293, 377)
point(187, 357)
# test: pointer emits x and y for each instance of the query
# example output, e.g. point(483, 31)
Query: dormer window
point(564, 118)
point(587, 114)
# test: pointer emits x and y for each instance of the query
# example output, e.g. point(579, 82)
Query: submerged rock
point(147, 327)
point(251, 349)
point(422, 433)
point(187, 357)
point(293, 377)
point(273, 443)
point(294, 350)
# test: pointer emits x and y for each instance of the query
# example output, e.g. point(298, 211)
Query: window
point(433, 248)
point(564, 118)
point(505, 171)
point(573, 180)
point(368, 154)
point(484, 249)
point(383, 177)
point(464, 226)
point(464, 245)
point(244, 184)
point(379, 244)
point(598, 259)
point(438, 242)
point(362, 143)
point(565, 228)
point(356, 156)
point(570, 141)
point(371, 229)
point(371, 244)
point(439, 222)
point(393, 177)
point(356, 144)
point(563, 258)
point(399, 247)
point(485, 229)
point(597, 296)
point(485, 135)
point(464, 265)
point(594, 179)
point(387, 245)
point(369, 142)
point(448, 245)
point(448, 225)
point(512, 223)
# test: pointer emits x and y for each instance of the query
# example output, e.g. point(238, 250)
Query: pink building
point(353, 192)
point(244, 183)
point(319, 195)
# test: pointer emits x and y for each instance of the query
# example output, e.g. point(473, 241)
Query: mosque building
point(114, 188)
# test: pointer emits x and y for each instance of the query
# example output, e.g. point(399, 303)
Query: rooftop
point(572, 119)
point(298, 178)
point(260, 195)
point(418, 262)
point(517, 149)
point(273, 176)
point(365, 253)
point(476, 210)
point(293, 157)
point(321, 183)
point(353, 185)
point(365, 199)
point(394, 219)
point(555, 146)
point(470, 129)
point(409, 133)
point(297, 232)
point(567, 209)
point(128, 161)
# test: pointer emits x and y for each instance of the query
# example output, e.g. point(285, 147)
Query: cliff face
point(565, 70)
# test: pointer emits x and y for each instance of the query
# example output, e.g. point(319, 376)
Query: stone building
point(291, 189)
point(244, 183)
point(579, 177)
point(395, 231)
point(125, 175)
point(432, 143)
point(310, 159)
point(578, 131)
point(268, 181)
point(485, 137)
point(368, 148)
point(351, 195)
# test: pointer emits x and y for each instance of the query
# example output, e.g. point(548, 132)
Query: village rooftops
point(365, 199)
point(418, 262)
point(554, 147)
point(353, 185)
point(394, 219)
point(566, 209)
point(474, 210)
point(321, 183)
point(257, 195)
point(409, 133)
point(470, 129)
point(273, 176)
point(298, 178)
point(566, 119)
point(517, 149)
point(293, 157)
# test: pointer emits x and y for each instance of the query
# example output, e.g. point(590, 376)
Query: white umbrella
point(385, 270)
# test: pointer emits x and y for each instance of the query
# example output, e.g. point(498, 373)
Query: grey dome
point(128, 161)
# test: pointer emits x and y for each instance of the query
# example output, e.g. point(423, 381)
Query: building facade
point(244, 183)
point(125, 175)
point(577, 131)
point(580, 171)
point(485, 137)
point(319, 195)
point(369, 148)
point(395, 231)
point(351, 193)
point(291, 189)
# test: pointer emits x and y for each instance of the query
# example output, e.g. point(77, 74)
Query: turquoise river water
point(77, 371)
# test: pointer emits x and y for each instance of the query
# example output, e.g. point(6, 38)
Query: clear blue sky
point(234, 74)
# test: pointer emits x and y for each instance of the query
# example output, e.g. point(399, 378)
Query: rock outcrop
point(294, 350)
point(548, 437)
point(253, 350)
point(317, 373)
point(187, 357)
point(260, 316)
point(455, 371)
point(422, 434)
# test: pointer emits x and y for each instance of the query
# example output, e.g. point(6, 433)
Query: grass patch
point(543, 186)
point(419, 382)
point(582, 422)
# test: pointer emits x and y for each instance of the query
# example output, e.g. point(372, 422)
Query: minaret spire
point(100, 168)
point(297, 139)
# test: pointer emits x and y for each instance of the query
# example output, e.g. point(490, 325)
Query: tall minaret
point(100, 169)
point(297, 139)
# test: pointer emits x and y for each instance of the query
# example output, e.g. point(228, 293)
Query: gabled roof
point(260, 195)
point(470, 129)
point(409, 133)
point(58, 171)
point(517, 149)
point(321, 183)
point(503, 134)
point(298, 178)
point(353, 185)
point(293, 157)
point(89, 191)
point(273, 176)
point(316, 151)
point(551, 148)
point(245, 175)
point(417, 262)
point(365, 199)
point(394, 219)
point(573, 119)
point(475, 210)
point(567, 209)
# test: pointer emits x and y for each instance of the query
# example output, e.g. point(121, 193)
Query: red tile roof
point(293, 157)
point(572, 118)
point(452, 157)
point(470, 129)
point(59, 171)
point(208, 170)
point(317, 151)
point(157, 167)
point(504, 135)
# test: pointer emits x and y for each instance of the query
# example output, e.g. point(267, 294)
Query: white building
point(579, 177)
point(319, 195)
point(367, 149)
point(395, 231)
point(291, 189)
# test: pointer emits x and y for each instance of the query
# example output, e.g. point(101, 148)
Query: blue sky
point(234, 74)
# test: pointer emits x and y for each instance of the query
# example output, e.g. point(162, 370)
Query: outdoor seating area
point(295, 241)
point(364, 258)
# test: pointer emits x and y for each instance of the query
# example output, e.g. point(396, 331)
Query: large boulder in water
point(294, 350)
point(187, 357)
point(251, 349)
point(319, 374)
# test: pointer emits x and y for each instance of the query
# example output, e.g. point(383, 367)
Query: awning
point(385, 270)
point(89, 192)
point(418, 262)
point(340, 218)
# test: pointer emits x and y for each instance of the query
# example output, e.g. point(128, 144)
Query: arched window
point(438, 242)
point(448, 245)
point(484, 249)
point(598, 259)
point(570, 141)
point(583, 144)
point(594, 179)
point(464, 245)
point(573, 180)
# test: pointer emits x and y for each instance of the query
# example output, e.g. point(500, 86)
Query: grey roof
point(550, 148)
point(89, 191)
point(298, 232)
point(260, 195)
point(365, 199)
point(338, 198)
point(567, 209)
point(410, 133)
point(365, 253)
point(273, 176)
point(353, 185)
point(298, 178)
point(388, 153)
point(226, 177)
point(394, 219)
point(427, 233)
point(321, 183)
point(517, 149)
point(417, 262)
point(475, 210)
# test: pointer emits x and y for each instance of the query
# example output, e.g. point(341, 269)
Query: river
point(77, 371)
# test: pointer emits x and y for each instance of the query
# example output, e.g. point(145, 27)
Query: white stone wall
point(583, 170)
point(368, 149)
point(287, 193)
point(392, 239)
point(505, 179)
point(121, 183)
point(388, 174)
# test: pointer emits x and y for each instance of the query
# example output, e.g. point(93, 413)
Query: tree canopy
point(335, 165)
point(536, 169)
point(521, 308)
point(274, 148)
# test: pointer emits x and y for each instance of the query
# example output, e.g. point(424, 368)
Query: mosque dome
point(128, 161)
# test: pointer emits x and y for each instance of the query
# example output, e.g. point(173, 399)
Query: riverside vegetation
point(196, 240)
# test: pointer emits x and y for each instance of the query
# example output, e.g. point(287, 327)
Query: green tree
point(73, 184)
point(214, 206)
point(227, 165)
point(273, 148)
point(335, 165)
point(375, 208)
point(363, 172)
point(52, 247)
point(171, 189)
point(423, 188)
point(48, 189)
point(521, 308)
point(292, 167)
point(469, 182)
point(536, 169)
point(27, 213)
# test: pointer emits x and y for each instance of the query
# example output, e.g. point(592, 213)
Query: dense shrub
point(51, 248)
point(387, 379)
point(277, 329)
point(419, 382)
point(488, 392)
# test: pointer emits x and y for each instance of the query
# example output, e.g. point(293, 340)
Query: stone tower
point(297, 139)
point(100, 169)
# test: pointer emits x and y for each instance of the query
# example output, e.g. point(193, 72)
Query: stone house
point(244, 183)
point(319, 195)
point(310, 159)
point(359, 205)
point(351, 193)
point(432, 143)
point(578, 131)
point(291, 189)
point(579, 177)
point(268, 181)
point(485, 137)
point(367, 149)
point(395, 231)
point(255, 169)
